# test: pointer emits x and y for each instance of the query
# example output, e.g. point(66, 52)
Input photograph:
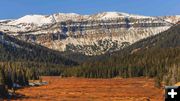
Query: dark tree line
point(12, 49)
point(13, 74)
point(21, 62)
point(157, 56)
point(162, 64)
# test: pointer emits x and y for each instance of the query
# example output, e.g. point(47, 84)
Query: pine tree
point(3, 90)
point(157, 82)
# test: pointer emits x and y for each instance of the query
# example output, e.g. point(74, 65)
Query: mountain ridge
point(98, 16)
point(86, 34)
point(15, 50)
point(156, 57)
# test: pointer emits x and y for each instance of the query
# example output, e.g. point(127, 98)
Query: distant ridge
point(89, 35)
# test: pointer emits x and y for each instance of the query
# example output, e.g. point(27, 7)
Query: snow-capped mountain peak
point(108, 15)
point(172, 19)
point(67, 16)
point(116, 15)
point(88, 34)
point(33, 19)
point(40, 20)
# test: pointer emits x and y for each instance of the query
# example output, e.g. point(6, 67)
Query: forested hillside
point(45, 60)
point(21, 62)
point(157, 56)
point(12, 49)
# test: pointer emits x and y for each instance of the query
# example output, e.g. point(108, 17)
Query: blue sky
point(18, 8)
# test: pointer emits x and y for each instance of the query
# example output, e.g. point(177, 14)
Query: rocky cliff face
point(87, 34)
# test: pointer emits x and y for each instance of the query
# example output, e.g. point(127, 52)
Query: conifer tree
point(3, 90)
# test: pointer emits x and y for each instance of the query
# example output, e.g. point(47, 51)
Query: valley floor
point(81, 89)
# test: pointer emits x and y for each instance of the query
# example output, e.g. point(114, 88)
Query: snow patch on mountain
point(88, 34)
point(116, 15)
point(68, 16)
point(33, 19)
point(171, 19)
point(40, 20)
point(94, 44)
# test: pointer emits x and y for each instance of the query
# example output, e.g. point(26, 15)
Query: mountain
point(115, 15)
point(14, 50)
point(38, 20)
point(86, 34)
point(165, 40)
point(172, 19)
point(156, 56)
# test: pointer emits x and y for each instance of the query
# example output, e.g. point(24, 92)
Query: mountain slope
point(167, 39)
point(115, 15)
point(86, 34)
point(38, 20)
point(172, 19)
point(12, 49)
point(157, 56)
